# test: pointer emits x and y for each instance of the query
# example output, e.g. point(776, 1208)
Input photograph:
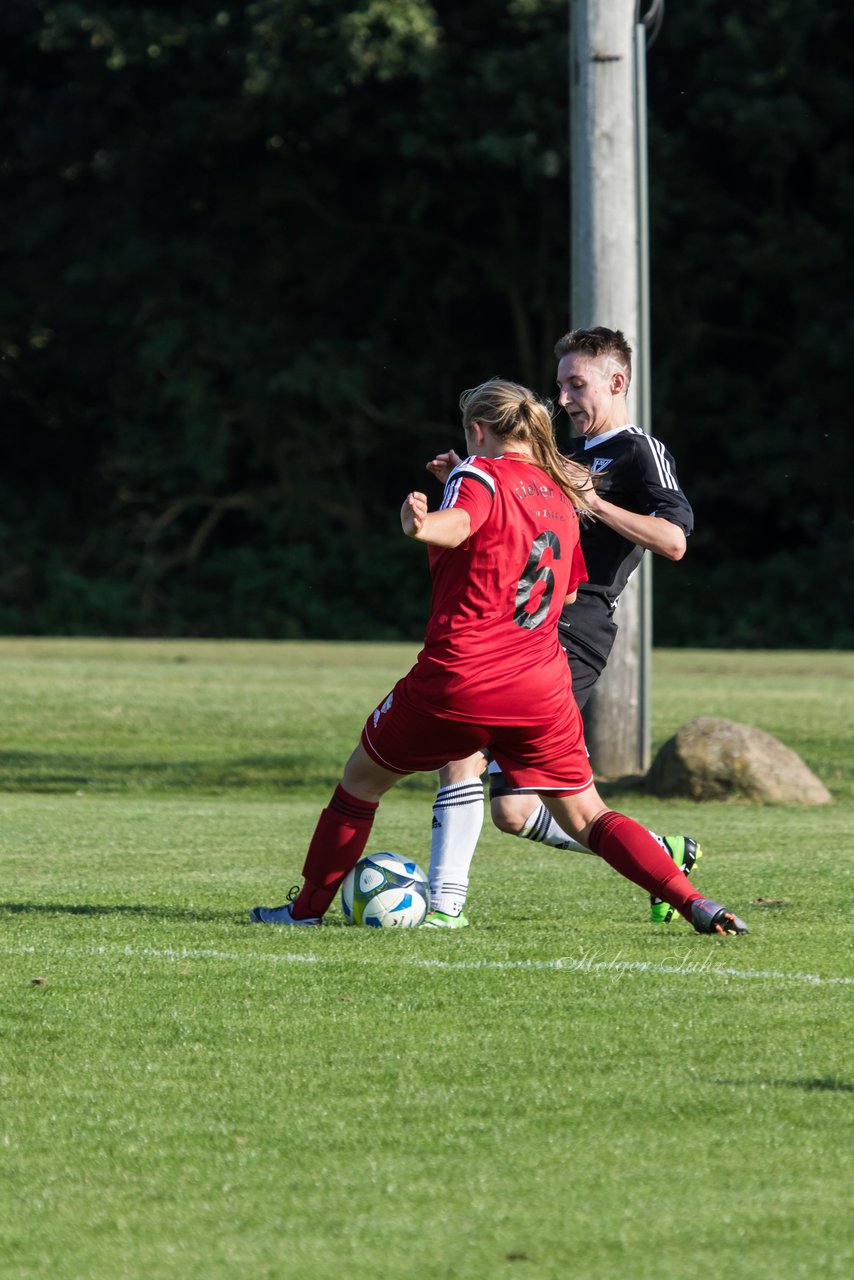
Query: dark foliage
point(252, 253)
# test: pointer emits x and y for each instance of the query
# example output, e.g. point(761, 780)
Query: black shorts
point(587, 631)
point(587, 637)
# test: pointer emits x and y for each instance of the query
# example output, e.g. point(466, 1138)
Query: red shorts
point(548, 757)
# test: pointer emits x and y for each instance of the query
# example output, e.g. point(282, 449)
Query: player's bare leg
point(520, 813)
point(630, 849)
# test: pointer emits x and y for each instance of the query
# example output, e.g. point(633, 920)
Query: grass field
point(561, 1092)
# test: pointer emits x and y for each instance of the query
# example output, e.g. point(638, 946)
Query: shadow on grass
point(818, 1084)
point(618, 786)
point(56, 774)
point(136, 910)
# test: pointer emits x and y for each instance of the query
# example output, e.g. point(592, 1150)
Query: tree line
point(252, 253)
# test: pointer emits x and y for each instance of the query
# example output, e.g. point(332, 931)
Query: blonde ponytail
point(513, 413)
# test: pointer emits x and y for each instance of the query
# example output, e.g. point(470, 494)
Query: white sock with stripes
point(542, 828)
point(457, 824)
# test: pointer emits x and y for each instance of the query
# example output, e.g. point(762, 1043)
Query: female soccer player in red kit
point(504, 557)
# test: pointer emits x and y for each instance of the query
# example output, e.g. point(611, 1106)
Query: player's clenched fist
point(413, 513)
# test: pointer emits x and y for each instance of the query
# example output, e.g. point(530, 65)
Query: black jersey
point(636, 472)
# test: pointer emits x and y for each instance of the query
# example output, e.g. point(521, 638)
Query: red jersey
point(491, 652)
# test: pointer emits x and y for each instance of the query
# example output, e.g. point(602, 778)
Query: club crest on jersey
point(599, 464)
point(382, 710)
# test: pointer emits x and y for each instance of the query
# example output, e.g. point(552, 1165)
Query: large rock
point(712, 759)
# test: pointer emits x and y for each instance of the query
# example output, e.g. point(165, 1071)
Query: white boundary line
point(584, 964)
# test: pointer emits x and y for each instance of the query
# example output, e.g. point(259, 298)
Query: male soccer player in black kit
point(637, 505)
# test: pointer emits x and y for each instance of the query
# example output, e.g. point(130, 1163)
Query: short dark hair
point(597, 342)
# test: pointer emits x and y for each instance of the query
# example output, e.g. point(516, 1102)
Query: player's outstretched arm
point(438, 528)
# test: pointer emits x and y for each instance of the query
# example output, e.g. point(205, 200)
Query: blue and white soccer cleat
point(279, 915)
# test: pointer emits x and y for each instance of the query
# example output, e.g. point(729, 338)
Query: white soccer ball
point(385, 891)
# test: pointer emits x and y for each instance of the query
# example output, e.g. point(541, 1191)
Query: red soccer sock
point(337, 845)
point(630, 849)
